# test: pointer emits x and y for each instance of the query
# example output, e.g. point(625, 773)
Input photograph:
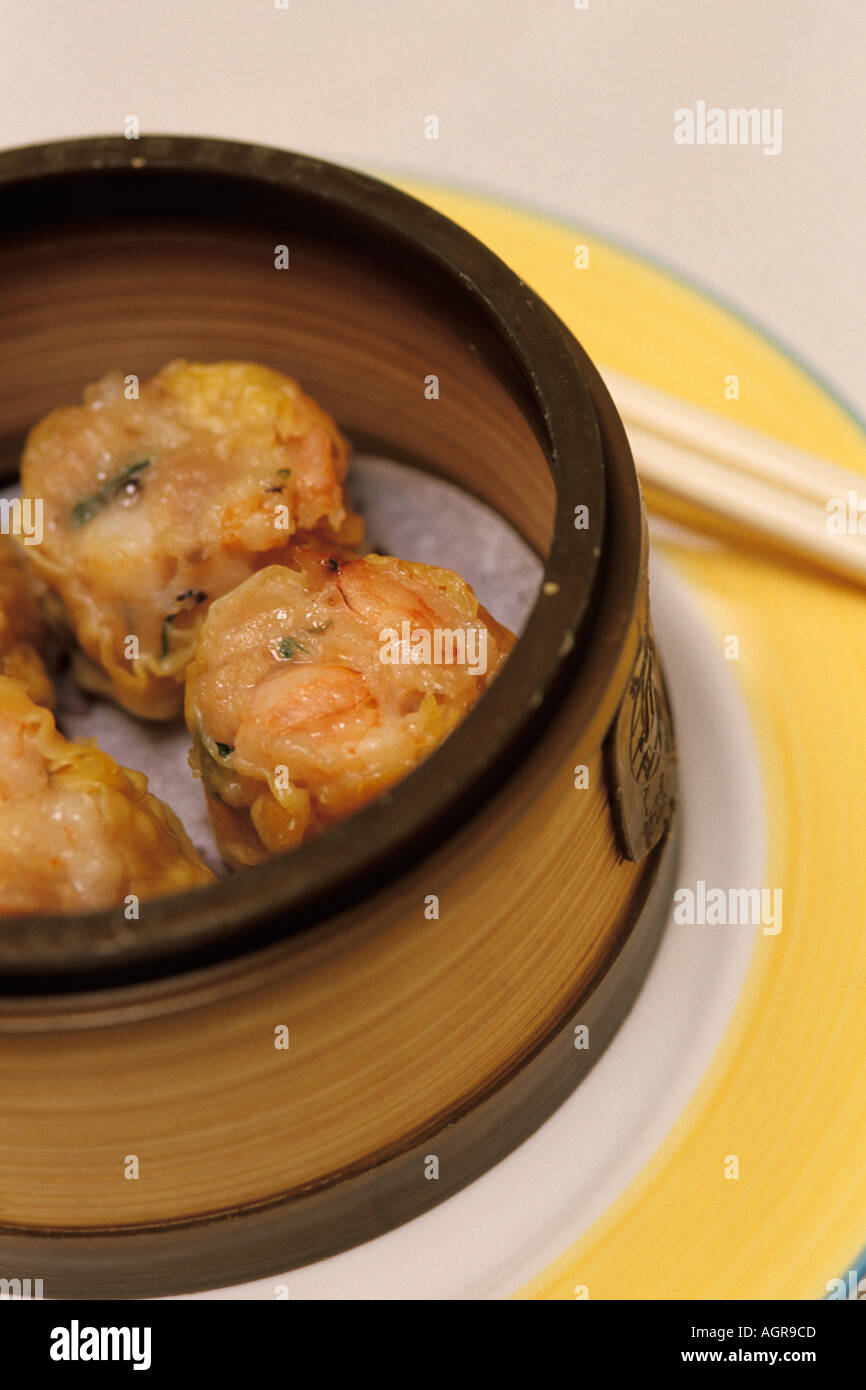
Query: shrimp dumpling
point(77, 831)
point(318, 685)
point(157, 505)
point(23, 633)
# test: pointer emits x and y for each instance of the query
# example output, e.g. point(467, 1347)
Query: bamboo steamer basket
point(420, 1050)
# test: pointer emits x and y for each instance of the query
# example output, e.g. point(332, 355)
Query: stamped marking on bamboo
point(644, 748)
point(641, 756)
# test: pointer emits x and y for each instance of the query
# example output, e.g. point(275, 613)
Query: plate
point(782, 1084)
point(785, 1091)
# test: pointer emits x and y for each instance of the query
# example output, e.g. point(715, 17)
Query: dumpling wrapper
point(299, 712)
point(78, 832)
point(23, 633)
point(157, 505)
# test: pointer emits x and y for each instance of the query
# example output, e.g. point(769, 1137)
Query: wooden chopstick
point(741, 477)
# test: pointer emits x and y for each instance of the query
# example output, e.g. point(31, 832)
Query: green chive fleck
point(165, 627)
point(88, 507)
point(288, 646)
point(224, 749)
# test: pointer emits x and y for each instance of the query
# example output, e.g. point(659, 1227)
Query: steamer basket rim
point(359, 857)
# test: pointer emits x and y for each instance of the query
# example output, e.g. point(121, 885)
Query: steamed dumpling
point(77, 831)
point(23, 635)
point(318, 685)
point(156, 506)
